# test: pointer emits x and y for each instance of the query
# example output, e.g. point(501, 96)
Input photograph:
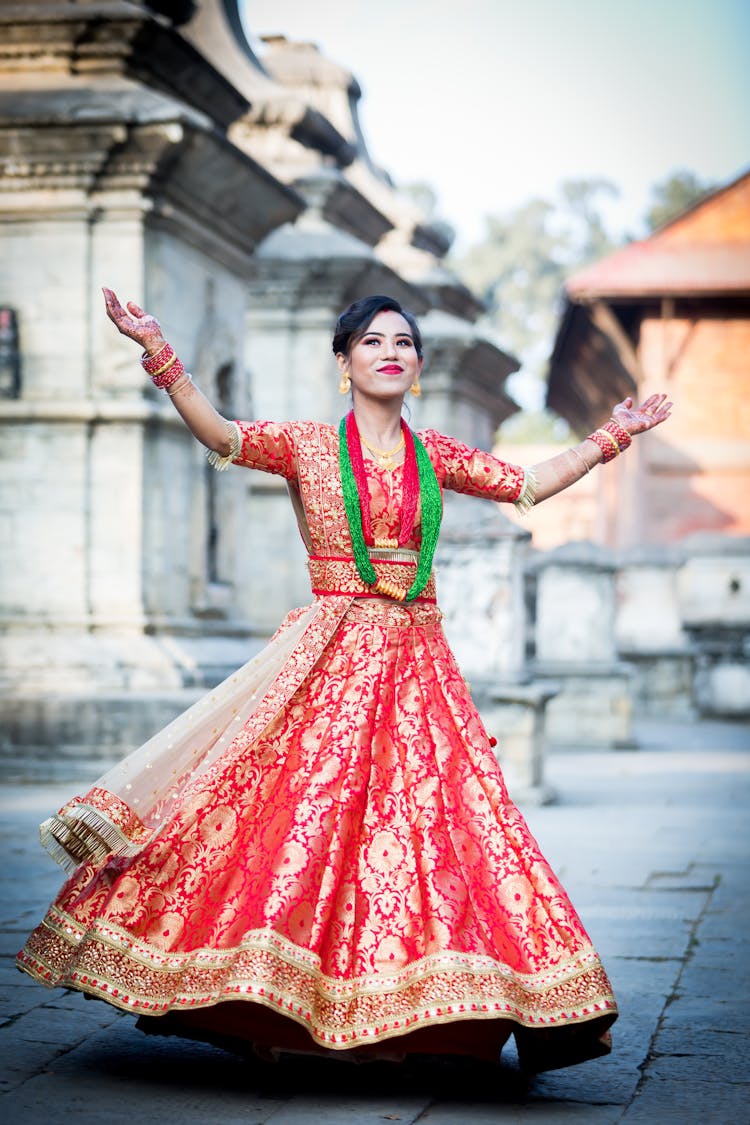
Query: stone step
point(59, 738)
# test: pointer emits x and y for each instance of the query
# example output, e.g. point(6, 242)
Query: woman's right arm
point(208, 426)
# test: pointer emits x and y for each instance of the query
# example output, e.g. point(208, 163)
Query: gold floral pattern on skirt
point(358, 866)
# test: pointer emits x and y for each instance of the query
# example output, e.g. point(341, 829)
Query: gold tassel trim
point(527, 496)
point(83, 838)
point(216, 461)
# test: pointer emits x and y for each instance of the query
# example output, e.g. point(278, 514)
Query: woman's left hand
point(638, 419)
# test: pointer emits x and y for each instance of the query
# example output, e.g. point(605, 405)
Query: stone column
point(575, 644)
point(649, 631)
point(463, 384)
point(480, 566)
point(713, 589)
point(104, 578)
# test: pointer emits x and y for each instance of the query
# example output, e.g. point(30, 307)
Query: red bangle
point(606, 442)
point(153, 364)
point(176, 371)
point(621, 436)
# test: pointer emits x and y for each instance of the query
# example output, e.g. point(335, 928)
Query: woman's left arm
point(559, 472)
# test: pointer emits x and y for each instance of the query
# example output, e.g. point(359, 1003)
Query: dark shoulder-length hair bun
point(354, 321)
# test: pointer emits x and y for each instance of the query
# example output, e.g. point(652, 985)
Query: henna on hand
point(638, 419)
point(134, 323)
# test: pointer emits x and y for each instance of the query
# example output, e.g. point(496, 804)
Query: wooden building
point(670, 313)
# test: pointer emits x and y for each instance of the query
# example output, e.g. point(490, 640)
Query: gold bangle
point(581, 458)
point(608, 435)
point(162, 370)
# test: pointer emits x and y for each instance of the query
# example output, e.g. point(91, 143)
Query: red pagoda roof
point(648, 268)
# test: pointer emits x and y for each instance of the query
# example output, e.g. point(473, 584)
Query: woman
point(321, 854)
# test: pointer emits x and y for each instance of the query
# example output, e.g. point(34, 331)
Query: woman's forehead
point(388, 320)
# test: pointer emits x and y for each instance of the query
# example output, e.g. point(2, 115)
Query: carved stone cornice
point(447, 292)
point(117, 38)
point(175, 169)
point(312, 263)
point(463, 364)
point(444, 288)
point(328, 193)
point(288, 115)
point(275, 114)
point(134, 408)
point(55, 157)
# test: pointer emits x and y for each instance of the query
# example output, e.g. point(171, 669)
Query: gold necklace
point(384, 457)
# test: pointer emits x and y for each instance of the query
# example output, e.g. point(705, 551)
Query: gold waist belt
point(334, 574)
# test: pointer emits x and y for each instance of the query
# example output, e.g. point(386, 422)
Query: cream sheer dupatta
point(127, 805)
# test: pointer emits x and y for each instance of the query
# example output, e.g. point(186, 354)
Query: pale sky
point(495, 101)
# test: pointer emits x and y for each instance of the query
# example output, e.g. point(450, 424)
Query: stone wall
point(652, 631)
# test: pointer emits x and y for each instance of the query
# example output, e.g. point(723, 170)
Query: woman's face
point(384, 363)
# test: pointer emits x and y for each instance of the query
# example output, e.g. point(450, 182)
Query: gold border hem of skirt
point(108, 963)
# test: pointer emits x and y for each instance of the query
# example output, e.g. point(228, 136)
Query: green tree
point(673, 195)
point(589, 238)
point(520, 265)
point(519, 269)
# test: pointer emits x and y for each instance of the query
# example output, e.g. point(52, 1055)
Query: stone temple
point(149, 148)
point(145, 147)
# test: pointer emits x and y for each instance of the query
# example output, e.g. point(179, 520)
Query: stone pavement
point(652, 846)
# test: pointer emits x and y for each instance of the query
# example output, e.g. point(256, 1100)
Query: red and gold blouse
point(306, 454)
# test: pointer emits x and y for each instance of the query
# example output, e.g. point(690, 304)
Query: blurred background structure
point(146, 146)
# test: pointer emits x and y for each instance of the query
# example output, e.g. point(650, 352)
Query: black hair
point(354, 321)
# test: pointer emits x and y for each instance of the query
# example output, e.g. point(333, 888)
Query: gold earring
point(345, 384)
point(415, 388)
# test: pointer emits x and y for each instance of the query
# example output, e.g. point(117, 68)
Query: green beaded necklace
point(356, 496)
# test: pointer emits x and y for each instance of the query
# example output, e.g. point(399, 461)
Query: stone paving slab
point(652, 845)
point(698, 1100)
point(565, 1113)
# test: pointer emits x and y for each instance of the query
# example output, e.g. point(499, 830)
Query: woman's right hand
point(134, 323)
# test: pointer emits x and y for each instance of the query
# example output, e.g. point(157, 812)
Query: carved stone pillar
point(115, 171)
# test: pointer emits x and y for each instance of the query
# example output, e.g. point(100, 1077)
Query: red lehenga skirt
point(348, 870)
